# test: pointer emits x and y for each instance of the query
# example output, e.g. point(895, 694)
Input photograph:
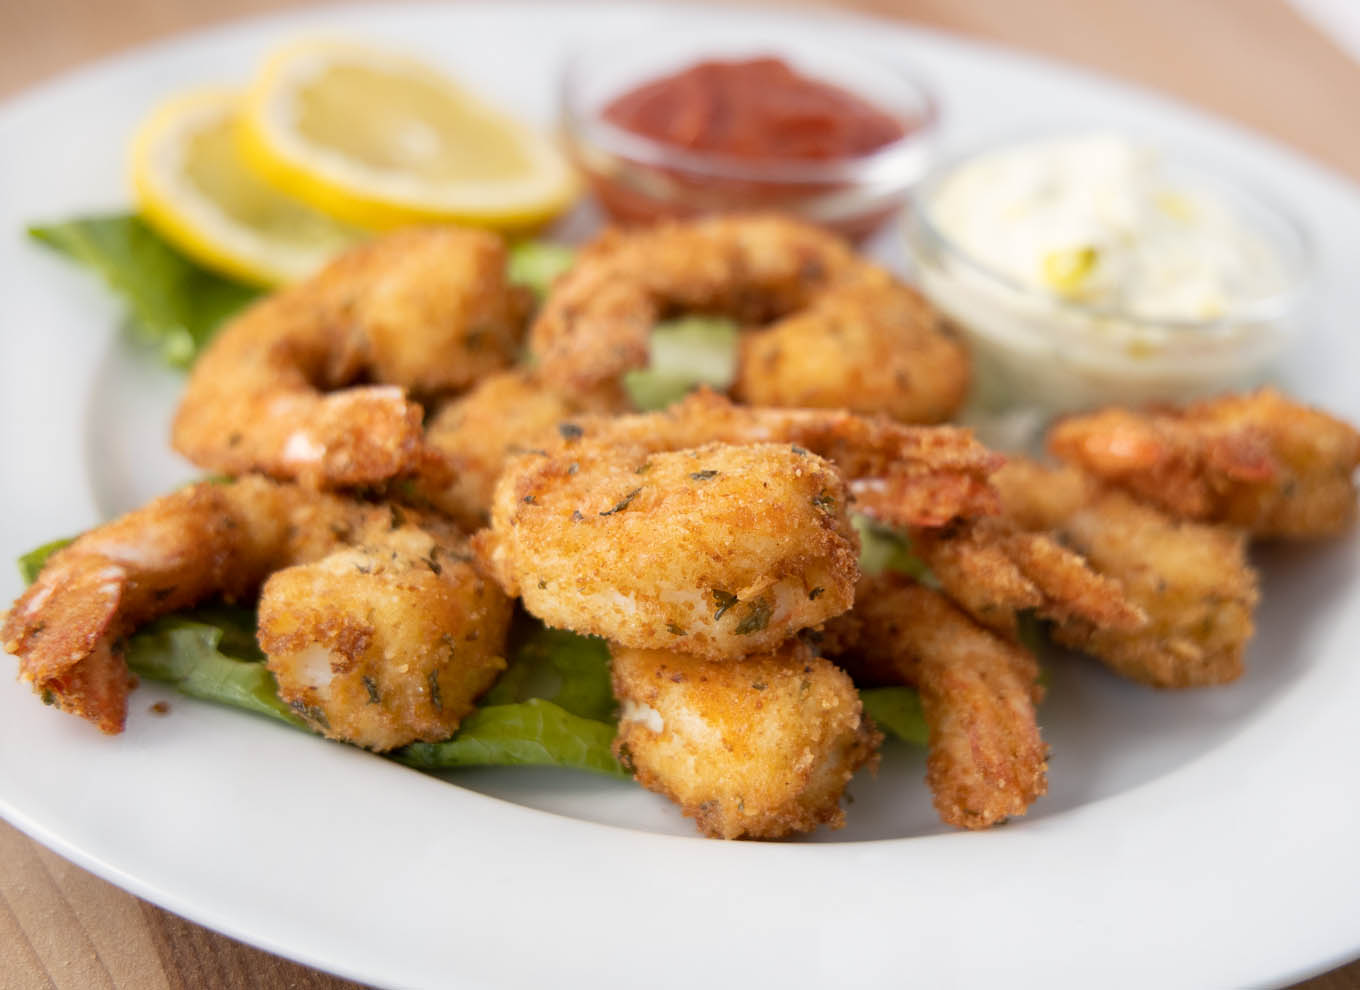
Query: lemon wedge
point(194, 189)
point(380, 140)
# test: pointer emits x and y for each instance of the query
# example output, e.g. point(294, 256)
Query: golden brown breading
point(718, 551)
point(1038, 497)
point(202, 540)
point(760, 748)
point(1259, 461)
point(385, 643)
point(505, 415)
point(424, 310)
point(869, 348)
point(902, 475)
point(1193, 581)
point(978, 692)
point(223, 540)
point(994, 570)
point(595, 323)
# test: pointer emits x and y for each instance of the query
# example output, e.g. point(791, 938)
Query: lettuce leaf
point(683, 354)
point(31, 563)
point(569, 670)
point(897, 710)
point(189, 652)
point(884, 549)
point(174, 304)
point(531, 733)
point(536, 264)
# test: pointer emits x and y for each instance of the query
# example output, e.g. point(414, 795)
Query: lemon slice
point(380, 140)
point(194, 189)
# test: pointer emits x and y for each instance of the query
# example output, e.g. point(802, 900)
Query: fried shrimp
point(901, 475)
point(760, 748)
point(878, 347)
point(1193, 581)
point(987, 761)
point(595, 323)
point(386, 642)
point(995, 570)
point(424, 310)
point(224, 540)
point(1260, 462)
point(717, 551)
point(1190, 581)
point(477, 433)
point(200, 541)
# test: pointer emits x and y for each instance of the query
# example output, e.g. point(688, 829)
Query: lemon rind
point(365, 198)
point(185, 219)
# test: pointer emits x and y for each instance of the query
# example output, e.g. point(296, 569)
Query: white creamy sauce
point(1097, 219)
point(1091, 270)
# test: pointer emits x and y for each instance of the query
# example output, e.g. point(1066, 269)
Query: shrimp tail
point(62, 637)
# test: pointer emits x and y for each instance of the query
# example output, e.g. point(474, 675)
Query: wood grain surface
point(1254, 61)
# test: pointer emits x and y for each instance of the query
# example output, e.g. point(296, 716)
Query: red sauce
point(757, 109)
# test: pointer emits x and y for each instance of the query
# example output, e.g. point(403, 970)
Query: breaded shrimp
point(387, 642)
point(987, 761)
point(1038, 497)
point(206, 540)
point(477, 433)
point(718, 551)
point(761, 748)
point(869, 348)
point(1260, 462)
point(1193, 581)
point(200, 541)
point(422, 310)
point(994, 570)
point(901, 475)
point(595, 323)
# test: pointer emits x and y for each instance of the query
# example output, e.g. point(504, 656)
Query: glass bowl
point(638, 179)
point(1037, 350)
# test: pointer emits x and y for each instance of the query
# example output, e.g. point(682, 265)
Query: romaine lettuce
point(174, 304)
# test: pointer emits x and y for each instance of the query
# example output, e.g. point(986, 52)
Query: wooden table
point(1252, 60)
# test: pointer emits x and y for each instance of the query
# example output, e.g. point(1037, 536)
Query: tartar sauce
point(1089, 271)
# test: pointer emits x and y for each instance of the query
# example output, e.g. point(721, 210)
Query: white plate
point(1193, 839)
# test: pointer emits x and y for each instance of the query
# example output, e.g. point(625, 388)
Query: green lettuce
point(569, 670)
point(536, 264)
point(552, 706)
point(683, 354)
point(897, 711)
point(883, 549)
point(211, 655)
point(174, 304)
point(31, 563)
point(531, 733)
